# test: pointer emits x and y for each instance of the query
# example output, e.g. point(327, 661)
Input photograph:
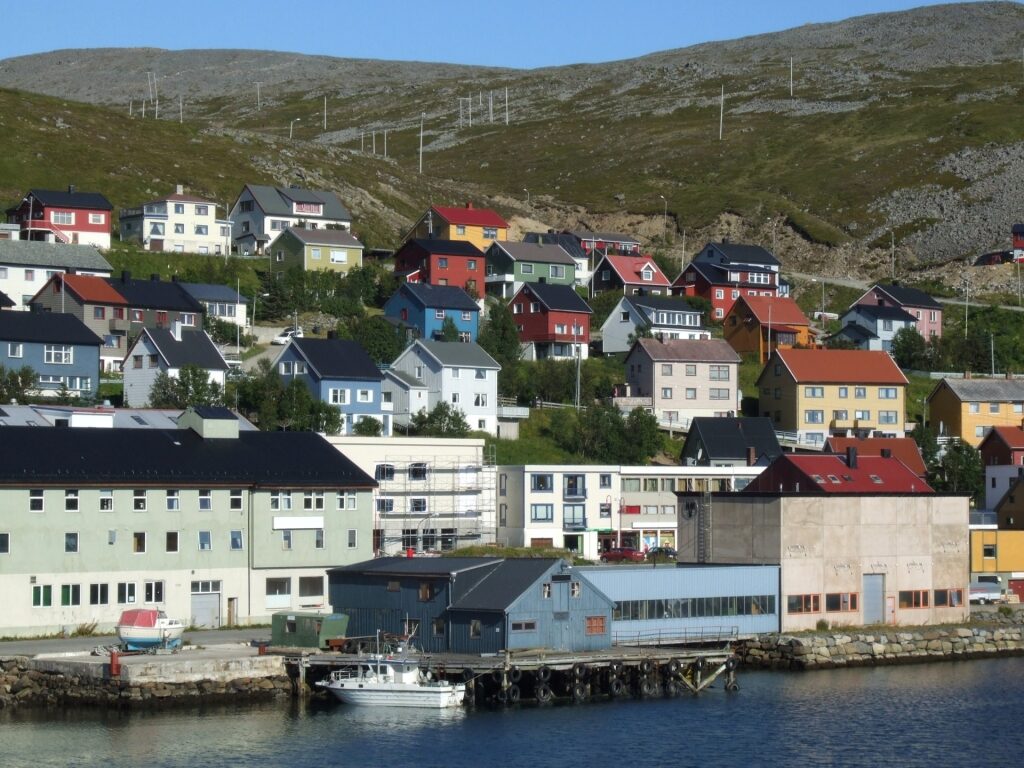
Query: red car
point(622, 555)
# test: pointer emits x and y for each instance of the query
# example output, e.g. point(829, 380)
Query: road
point(31, 647)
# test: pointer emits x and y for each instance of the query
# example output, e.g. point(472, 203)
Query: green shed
point(298, 629)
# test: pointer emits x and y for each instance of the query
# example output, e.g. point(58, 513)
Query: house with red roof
point(56, 216)
point(442, 262)
point(630, 275)
point(816, 393)
point(479, 226)
point(758, 324)
point(722, 272)
point(553, 322)
point(1002, 454)
point(903, 448)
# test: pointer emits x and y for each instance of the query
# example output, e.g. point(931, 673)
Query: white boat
point(386, 681)
point(141, 629)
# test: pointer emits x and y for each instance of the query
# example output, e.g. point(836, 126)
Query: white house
point(664, 317)
point(177, 223)
point(26, 265)
point(461, 374)
point(262, 213)
point(163, 350)
point(221, 302)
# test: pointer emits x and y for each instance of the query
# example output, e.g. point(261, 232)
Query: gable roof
point(439, 296)
point(94, 290)
point(154, 294)
point(687, 350)
point(404, 380)
point(839, 366)
point(877, 312)
point(195, 348)
point(903, 448)
point(777, 310)
point(5, 300)
point(325, 237)
point(666, 303)
point(501, 586)
point(832, 474)
point(545, 253)
point(855, 332)
point(470, 216)
point(1012, 437)
point(457, 354)
point(276, 201)
point(564, 240)
point(445, 247)
point(911, 297)
point(40, 254)
point(213, 292)
point(46, 327)
point(555, 298)
point(337, 359)
point(983, 390)
point(736, 253)
point(628, 268)
point(730, 437)
point(65, 199)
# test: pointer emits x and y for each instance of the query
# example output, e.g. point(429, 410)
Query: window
point(153, 592)
point(575, 589)
point(205, 500)
point(139, 542)
point(42, 596)
point(439, 314)
point(205, 541)
point(139, 500)
point(236, 500)
point(691, 393)
point(285, 368)
point(172, 501)
point(70, 543)
point(526, 269)
point(156, 228)
point(480, 399)
point(318, 539)
point(862, 415)
point(803, 604)
point(718, 394)
point(179, 229)
point(353, 539)
point(154, 360)
point(993, 407)
point(605, 481)
point(418, 471)
point(595, 625)
point(418, 504)
point(887, 417)
point(840, 415)
point(814, 392)
point(313, 500)
point(62, 217)
point(35, 500)
point(490, 233)
point(171, 541)
point(202, 229)
point(99, 594)
point(719, 293)
point(70, 594)
point(913, 598)
point(70, 501)
point(364, 396)
point(840, 601)
point(137, 316)
point(988, 550)
point(557, 270)
point(58, 354)
point(5, 543)
point(385, 505)
point(844, 392)
point(691, 369)
point(281, 501)
point(338, 396)
point(425, 591)
point(860, 392)
point(948, 598)
point(719, 372)
point(286, 539)
point(481, 373)
point(666, 393)
point(542, 513)
point(887, 393)
point(346, 499)
point(541, 482)
point(15, 349)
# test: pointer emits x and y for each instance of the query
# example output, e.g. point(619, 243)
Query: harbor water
point(956, 713)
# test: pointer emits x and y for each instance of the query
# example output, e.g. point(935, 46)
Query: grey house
point(873, 327)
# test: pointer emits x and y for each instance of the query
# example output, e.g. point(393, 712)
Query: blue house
point(425, 307)
point(341, 373)
point(58, 347)
point(474, 605)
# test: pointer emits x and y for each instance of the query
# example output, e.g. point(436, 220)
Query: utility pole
point(385, 142)
point(791, 77)
point(129, 107)
point(967, 303)
point(259, 102)
point(892, 248)
point(490, 106)
point(721, 114)
point(362, 141)
point(181, 109)
point(373, 142)
point(506, 105)
point(422, 116)
point(325, 113)
point(156, 99)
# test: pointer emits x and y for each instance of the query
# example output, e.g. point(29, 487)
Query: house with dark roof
point(58, 216)
point(220, 301)
point(5, 301)
point(479, 226)
point(873, 326)
point(926, 310)
point(424, 308)
point(59, 348)
point(338, 372)
point(730, 442)
point(177, 223)
point(457, 263)
point(553, 322)
point(722, 272)
point(660, 317)
point(970, 407)
point(204, 521)
point(462, 375)
point(631, 275)
point(474, 605)
point(510, 264)
point(604, 243)
point(758, 324)
point(262, 213)
point(168, 350)
point(323, 250)
point(569, 243)
point(26, 265)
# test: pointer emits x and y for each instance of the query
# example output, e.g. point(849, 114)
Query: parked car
point(622, 555)
point(287, 335)
point(661, 553)
point(985, 592)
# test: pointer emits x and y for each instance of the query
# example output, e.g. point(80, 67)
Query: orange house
point(479, 226)
point(759, 324)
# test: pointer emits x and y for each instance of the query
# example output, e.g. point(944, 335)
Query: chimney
point(125, 276)
point(887, 453)
point(751, 455)
point(71, 189)
point(851, 457)
point(179, 189)
point(176, 330)
point(469, 206)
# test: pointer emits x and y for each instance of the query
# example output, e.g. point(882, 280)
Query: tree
point(443, 420)
point(368, 427)
point(644, 439)
point(927, 444)
point(381, 340)
point(500, 339)
point(449, 331)
point(960, 471)
point(15, 384)
point(910, 349)
point(192, 386)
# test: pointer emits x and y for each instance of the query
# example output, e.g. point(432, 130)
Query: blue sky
point(514, 33)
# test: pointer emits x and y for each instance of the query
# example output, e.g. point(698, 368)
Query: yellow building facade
point(968, 408)
point(479, 226)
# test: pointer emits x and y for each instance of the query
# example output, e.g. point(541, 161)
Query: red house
point(552, 320)
point(632, 275)
point(64, 217)
point(441, 262)
point(1003, 446)
point(723, 272)
point(838, 474)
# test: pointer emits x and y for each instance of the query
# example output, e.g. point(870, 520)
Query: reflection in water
point(922, 715)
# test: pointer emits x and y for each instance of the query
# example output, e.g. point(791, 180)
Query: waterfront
point(917, 715)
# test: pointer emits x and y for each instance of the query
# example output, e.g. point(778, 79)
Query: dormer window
point(647, 275)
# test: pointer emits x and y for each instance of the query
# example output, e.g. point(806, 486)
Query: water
point(963, 713)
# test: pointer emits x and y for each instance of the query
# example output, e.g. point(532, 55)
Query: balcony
point(387, 407)
point(119, 324)
point(574, 524)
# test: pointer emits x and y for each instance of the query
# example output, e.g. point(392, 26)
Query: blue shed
point(425, 307)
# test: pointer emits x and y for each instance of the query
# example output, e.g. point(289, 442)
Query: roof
point(736, 253)
point(667, 303)
point(777, 310)
point(500, 587)
point(557, 298)
point(907, 296)
point(325, 237)
point(470, 216)
point(156, 294)
point(39, 254)
point(5, 300)
point(688, 350)
point(338, 359)
point(903, 448)
point(855, 332)
point(65, 199)
point(404, 379)
point(1013, 437)
point(446, 247)
point(440, 296)
point(565, 240)
point(128, 418)
point(538, 252)
point(830, 473)
point(629, 268)
point(212, 292)
point(95, 290)
point(604, 237)
point(729, 438)
point(276, 201)
point(419, 566)
point(195, 348)
point(46, 327)
point(172, 457)
point(877, 312)
point(457, 354)
point(984, 390)
point(840, 366)
point(181, 198)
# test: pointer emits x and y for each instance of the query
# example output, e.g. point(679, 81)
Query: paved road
point(79, 644)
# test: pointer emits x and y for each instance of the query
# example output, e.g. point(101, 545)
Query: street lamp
point(664, 219)
point(821, 317)
point(291, 126)
point(30, 199)
point(527, 195)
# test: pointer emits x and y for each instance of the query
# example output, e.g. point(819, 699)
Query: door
point(156, 244)
point(1016, 586)
point(874, 598)
point(232, 611)
point(206, 610)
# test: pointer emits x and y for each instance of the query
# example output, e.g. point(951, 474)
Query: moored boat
point(379, 680)
point(141, 629)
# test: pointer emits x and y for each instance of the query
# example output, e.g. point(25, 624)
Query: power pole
point(791, 77)
point(373, 142)
point(181, 109)
point(506, 105)
point(385, 142)
point(422, 116)
point(259, 101)
point(721, 114)
point(892, 248)
point(156, 99)
point(129, 107)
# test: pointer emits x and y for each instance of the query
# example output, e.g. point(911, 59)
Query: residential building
point(758, 324)
point(262, 213)
point(220, 302)
point(324, 250)
point(407, 395)
point(817, 393)
point(338, 372)
point(64, 354)
point(860, 540)
point(168, 350)
point(457, 263)
point(926, 310)
point(9, 231)
point(722, 272)
point(510, 264)
point(177, 223)
point(433, 494)
point(212, 525)
point(1002, 455)
point(684, 378)
point(1009, 508)
point(997, 555)
point(569, 243)
point(462, 375)
point(969, 408)
point(26, 266)
point(632, 275)
point(479, 226)
point(553, 322)
point(424, 308)
point(64, 217)
point(604, 243)
point(872, 326)
point(104, 416)
point(730, 442)
point(903, 448)
point(660, 317)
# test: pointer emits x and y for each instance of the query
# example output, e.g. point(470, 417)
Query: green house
point(331, 250)
point(511, 264)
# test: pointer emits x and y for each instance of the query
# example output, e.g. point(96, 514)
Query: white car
point(287, 335)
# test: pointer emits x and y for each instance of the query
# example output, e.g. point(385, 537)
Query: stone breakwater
point(24, 684)
point(832, 650)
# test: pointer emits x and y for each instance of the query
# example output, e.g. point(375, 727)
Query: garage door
point(206, 610)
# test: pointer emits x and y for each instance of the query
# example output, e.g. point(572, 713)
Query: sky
point(507, 33)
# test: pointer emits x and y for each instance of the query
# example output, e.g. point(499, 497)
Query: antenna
point(721, 113)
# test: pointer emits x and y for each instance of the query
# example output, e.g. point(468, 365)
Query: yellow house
point(1000, 552)
point(758, 324)
point(479, 226)
point(327, 250)
point(968, 408)
point(818, 393)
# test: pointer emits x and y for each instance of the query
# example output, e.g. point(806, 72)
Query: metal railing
point(695, 636)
